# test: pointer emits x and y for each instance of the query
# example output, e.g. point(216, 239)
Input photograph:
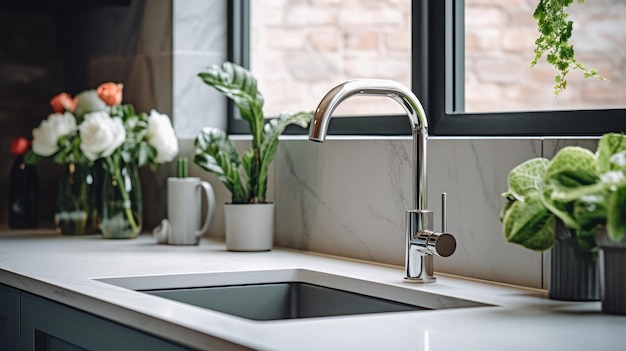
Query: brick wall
point(300, 49)
point(500, 38)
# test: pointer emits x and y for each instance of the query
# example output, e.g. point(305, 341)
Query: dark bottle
point(22, 190)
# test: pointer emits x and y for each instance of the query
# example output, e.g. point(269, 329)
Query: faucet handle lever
point(444, 212)
point(441, 244)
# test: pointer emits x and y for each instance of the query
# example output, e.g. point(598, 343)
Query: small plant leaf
point(526, 220)
point(238, 84)
point(272, 130)
point(32, 158)
point(146, 152)
point(527, 178)
point(530, 224)
point(215, 153)
point(572, 167)
point(249, 161)
point(610, 153)
point(616, 216)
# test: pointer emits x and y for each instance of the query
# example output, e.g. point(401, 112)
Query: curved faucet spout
point(378, 87)
point(396, 91)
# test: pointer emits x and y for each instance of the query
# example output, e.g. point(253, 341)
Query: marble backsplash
point(349, 198)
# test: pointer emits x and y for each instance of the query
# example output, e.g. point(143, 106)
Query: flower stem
point(126, 200)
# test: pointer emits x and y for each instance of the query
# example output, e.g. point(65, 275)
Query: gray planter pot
point(249, 227)
point(612, 273)
point(574, 273)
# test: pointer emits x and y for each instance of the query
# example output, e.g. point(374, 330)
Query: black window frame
point(438, 81)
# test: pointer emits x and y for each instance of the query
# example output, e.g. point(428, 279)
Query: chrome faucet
point(422, 242)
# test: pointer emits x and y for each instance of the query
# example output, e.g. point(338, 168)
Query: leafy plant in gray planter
point(244, 176)
point(585, 191)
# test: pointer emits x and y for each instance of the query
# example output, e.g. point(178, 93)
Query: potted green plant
point(585, 191)
point(249, 218)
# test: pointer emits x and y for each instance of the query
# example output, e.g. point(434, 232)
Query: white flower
point(100, 135)
point(88, 101)
point(46, 136)
point(161, 135)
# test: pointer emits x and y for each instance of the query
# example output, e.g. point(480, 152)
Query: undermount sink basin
point(286, 294)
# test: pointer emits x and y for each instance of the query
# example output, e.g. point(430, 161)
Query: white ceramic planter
point(249, 227)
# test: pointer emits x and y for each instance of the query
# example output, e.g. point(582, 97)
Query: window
point(299, 50)
point(466, 63)
point(499, 42)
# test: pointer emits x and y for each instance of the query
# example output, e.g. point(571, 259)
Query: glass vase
point(75, 212)
point(22, 195)
point(122, 211)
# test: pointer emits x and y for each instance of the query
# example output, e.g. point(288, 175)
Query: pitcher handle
point(210, 211)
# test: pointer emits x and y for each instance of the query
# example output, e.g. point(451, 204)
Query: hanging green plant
point(555, 31)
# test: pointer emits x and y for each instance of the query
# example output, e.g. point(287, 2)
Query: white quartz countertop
point(62, 269)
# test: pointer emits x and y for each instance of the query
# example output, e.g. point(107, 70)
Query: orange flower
point(20, 145)
point(110, 93)
point(63, 102)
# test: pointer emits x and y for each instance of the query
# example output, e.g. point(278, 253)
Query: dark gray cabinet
point(3, 317)
point(9, 318)
point(32, 323)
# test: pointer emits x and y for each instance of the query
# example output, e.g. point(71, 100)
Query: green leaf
point(238, 84)
point(590, 212)
point(571, 167)
point(215, 153)
point(112, 163)
point(147, 154)
point(126, 154)
point(510, 200)
point(572, 194)
point(249, 161)
point(611, 153)
point(32, 158)
point(60, 157)
point(563, 210)
point(272, 130)
point(530, 224)
point(616, 214)
point(527, 178)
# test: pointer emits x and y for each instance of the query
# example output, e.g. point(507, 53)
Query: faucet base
point(420, 280)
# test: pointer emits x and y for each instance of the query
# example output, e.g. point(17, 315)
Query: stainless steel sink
point(287, 294)
point(291, 300)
